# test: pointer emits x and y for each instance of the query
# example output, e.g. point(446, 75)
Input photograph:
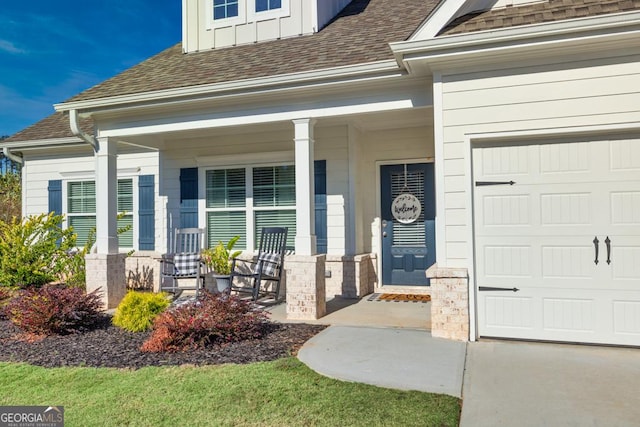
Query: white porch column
point(106, 197)
point(105, 270)
point(305, 205)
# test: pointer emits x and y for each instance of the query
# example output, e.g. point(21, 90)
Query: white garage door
point(565, 234)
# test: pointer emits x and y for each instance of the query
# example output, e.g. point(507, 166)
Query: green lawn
point(279, 393)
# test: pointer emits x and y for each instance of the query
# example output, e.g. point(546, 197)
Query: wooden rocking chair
point(184, 262)
point(250, 276)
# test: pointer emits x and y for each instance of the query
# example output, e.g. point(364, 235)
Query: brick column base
point(306, 295)
point(107, 272)
point(449, 302)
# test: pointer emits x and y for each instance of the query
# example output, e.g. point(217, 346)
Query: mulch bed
point(109, 346)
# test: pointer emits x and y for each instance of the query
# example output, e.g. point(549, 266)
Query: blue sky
point(52, 50)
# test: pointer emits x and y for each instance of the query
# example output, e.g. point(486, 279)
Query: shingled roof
point(359, 34)
point(537, 13)
point(52, 127)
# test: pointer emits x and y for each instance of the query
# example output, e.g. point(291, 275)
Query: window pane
point(82, 225)
point(81, 197)
point(222, 226)
point(125, 195)
point(274, 186)
point(125, 240)
point(225, 9)
point(232, 10)
point(262, 5)
point(279, 218)
point(226, 188)
point(219, 12)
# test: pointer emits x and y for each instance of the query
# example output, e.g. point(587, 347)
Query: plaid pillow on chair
point(187, 264)
point(269, 262)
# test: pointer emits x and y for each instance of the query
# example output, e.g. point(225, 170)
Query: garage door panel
point(625, 155)
point(572, 316)
point(626, 318)
point(567, 262)
point(562, 158)
point(538, 234)
point(625, 262)
point(568, 314)
point(507, 261)
point(625, 207)
point(509, 312)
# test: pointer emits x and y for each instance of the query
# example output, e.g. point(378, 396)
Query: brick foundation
point(351, 276)
point(142, 271)
point(449, 303)
point(306, 296)
point(107, 273)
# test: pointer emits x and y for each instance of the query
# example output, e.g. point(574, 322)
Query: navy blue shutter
point(320, 179)
point(189, 197)
point(146, 213)
point(55, 196)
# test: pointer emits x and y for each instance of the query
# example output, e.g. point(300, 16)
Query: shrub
point(5, 296)
point(75, 273)
point(137, 310)
point(213, 318)
point(10, 194)
point(34, 251)
point(54, 309)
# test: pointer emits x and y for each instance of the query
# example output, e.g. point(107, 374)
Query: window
point(81, 209)
point(223, 9)
point(241, 201)
point(264, 5)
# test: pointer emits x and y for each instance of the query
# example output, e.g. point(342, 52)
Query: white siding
point(79, 166)
point(201, 33)
point(552, 97)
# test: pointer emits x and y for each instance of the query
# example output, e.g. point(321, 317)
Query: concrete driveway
point(536, 384)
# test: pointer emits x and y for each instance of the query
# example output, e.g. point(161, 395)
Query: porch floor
point(362, 312)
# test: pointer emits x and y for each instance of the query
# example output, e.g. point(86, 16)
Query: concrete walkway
point(405, 359)
point(502, 383)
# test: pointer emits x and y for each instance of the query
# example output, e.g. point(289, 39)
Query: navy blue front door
point(408, 249)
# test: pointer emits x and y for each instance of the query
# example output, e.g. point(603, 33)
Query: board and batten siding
point(201, 33)
point(551, 97)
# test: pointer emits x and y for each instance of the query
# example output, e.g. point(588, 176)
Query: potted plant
point(219, 260)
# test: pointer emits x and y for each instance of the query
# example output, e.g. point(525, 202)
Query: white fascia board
point(43, 143)
point(172, 125)
point(517, 37)
point(238, 86)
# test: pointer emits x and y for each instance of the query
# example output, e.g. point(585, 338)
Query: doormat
point(400, 297)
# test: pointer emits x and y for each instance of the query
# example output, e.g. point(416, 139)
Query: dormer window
point(224, 9)
point(265, 5)
point(231, 13)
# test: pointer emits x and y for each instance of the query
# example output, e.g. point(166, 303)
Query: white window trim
point(227, 22)
point(249, 208)
point(253, 16)
point(246, 13)
point(134, 213)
